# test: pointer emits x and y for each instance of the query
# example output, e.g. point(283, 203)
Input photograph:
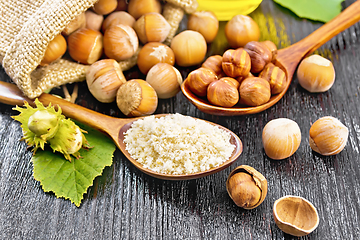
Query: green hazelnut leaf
point(318, 10)
point(70, 180)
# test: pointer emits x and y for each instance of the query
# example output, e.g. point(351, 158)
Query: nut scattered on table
point(295, 215)
point(240, 30)
point(204, 22)
point(316, 74)
point(247, 187)
point(281, 138)
point(328, 136)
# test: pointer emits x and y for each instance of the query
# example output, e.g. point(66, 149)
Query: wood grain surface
point(124, 203)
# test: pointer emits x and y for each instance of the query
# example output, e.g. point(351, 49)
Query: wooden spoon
point(287, 59)
point(113, 127)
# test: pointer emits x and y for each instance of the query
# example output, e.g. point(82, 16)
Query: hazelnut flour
point(177, 144)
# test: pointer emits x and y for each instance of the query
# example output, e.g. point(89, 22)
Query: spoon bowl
point(287, 59)
point(113, 127)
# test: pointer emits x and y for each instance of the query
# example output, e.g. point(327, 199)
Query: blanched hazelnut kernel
point(189, 48)
point(214, 63)
point(316, 74)
point(240, 30)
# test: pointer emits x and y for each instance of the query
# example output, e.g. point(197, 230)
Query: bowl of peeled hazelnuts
point(241, 81)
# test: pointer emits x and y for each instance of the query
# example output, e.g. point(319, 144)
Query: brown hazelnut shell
point(258, 178)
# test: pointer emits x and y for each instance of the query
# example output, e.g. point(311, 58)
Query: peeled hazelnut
point(199, 80)
point(165, 79)
point(120, 42)
point(152, 27)
point(136, 98)
point(276, 77)
point(316, 74)
point(189, 48)
point(104, 7)
point(85, 45)
point(153, 53)
point(240, 30)
point(222, 93)
point(55, 50)
point(119, 17)
point(231, 81)
point(236, 63)
point(246, 187)
point(93, 20)
point(214, 63)
point(272, 47)
point(254, 91)
point(260, 55)
point(77, 23)
point(137, 8)
point(281, 138)
point(328, 136)
point(204, 22)
point(104, 78)
point(295, 215)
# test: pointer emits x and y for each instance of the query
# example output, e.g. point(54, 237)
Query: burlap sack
point(26, 28)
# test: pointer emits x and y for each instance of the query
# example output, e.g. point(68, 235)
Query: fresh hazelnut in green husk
point(44, 125)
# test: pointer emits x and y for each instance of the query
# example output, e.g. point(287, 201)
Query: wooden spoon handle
point(12, 95)
point(291, 56)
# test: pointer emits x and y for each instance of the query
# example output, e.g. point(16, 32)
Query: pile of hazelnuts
point(242, 76)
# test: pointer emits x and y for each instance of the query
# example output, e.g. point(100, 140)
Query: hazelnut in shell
point(281, 138)
point(55, 50)
point(214, 63)
point(328, 136)
point(118, 17)
point(153, 53)
point(316, 74)
point(85, 45)
point(240, 30)
point(137, 8)
point(295, 215)
point(247, 187)
point(136, 98)
point(120, 42)
point(204, 22)
point(104, 78)
point(93, 20)
point(199, 80)
point(276, 77)
point(236, 63)
point(259, 54)
point(152, 27)
point(104, 7)
point(223, 93)
point(189, 48)
point(254, 91)
point(165, 79)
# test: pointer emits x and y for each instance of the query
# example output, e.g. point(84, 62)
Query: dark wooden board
point(126, 204)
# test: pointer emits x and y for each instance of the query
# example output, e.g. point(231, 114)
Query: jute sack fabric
point(26, 28)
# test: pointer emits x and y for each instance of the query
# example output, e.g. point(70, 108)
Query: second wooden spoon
point(287, 59)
